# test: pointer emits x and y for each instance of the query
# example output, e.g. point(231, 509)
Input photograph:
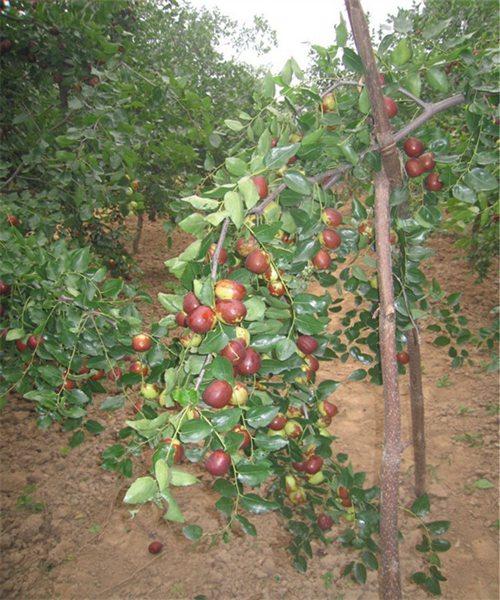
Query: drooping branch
point(213, 276)
point(332, 176)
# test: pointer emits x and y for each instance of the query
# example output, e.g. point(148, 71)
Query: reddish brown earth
point(81, 542)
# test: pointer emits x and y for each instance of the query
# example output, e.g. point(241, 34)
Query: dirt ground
point(67, 535)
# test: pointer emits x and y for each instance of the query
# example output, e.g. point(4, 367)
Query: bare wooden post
point(392, 166)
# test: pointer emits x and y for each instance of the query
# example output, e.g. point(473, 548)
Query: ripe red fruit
point(222, 255)
point(433, 183)
point(291, 160)
point(327, 409)
point(274, 142)
point(346, 502)
point(190, 302)
point(250, 364)
point(245, 245)
point(257, 261)
point(227, 289)
point(330, 238)
point(21, 346)
point(276, 288)
point(12, 220)
point(202, 319)
point(427, 160)
point(331, 217)
point(246, 436)
point(307, 344)
point(218, 394)
point(114, 374)
point(278, 423)
point(322, 260)
point(403, 358)
point(5, 46)
point(181, 318)
point(34, 341)
point(4, 288)
point(261, 185)
point(230, 311)
point(141, 342)
point(97, 376)
point(234, 352)
point(299, 466)
point(313, 464)
point(413, 147)
point(155, 547)
point(312, 363)
point(343, 492)
point(83, 370)
point(391, 108)
point(175, 449)
point(414, 167)
point(324, 522)
point(218, 463)
point(138, 368)
point(69, 384)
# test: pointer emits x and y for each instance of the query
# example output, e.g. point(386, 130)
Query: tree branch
point(330, 177)
point(213, 276)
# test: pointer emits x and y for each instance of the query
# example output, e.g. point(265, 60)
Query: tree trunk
point(392, 166)
point(391, 459)
point(138, 233)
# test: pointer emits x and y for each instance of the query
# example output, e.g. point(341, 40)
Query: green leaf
point(357, 375)
point(214, 341)
point(269, 443)
point(249, 192)
point(370, 560)
point(413, 83)
point(94, 427)
point(161, 474)
point(233, 204)
point(435, 29)
point(171, 302)
point(268, 87)
point(14, 334)
point(440, 545)
point(421, 506)
point(402, 53)
point(224, 420)
point(76, 439)
point(195, 430)
point(257, 505)
point(192, 532)
point(182, 478)
point(247, 527)
point(297, 182)
point(359, 572)
point(341, 33)
point(483, 484)
point(142, 490)
point(174, 512)
point(437, 79)
point(256, 308)
point(113, 402)
point(463, 193)
point(233, 125)
point(441, 341)
point(364, 104)
point(236, 166)
point(254, 474)
point(278, 157)
point(419, 578)
point(481, 180)
point(201, 203)
point(112, 287)
point(194, 224)
point(221, 368)
point(285, 348)
point(438, 527)
point(260, 416)
point(352, 61)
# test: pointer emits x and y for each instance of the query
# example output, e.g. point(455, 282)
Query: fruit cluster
point(420, 162)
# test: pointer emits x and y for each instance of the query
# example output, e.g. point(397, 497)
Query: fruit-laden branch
point(213, 276)
point(330, 177)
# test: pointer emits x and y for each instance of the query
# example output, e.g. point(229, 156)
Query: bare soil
point(67, 535)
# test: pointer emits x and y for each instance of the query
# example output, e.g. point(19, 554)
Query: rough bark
point(392, 166)
point(389, 177)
